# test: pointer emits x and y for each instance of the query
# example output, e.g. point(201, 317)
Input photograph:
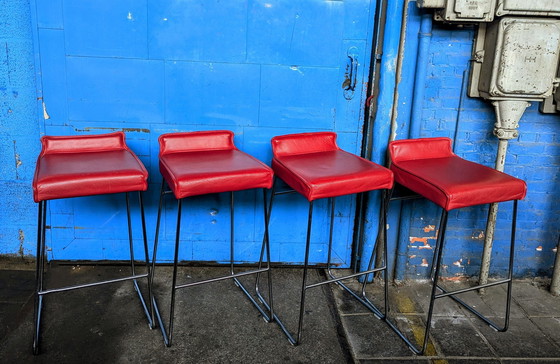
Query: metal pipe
point(424, 39)
point(491, 222)
point(398, 71)
point(555, 284)
point(362, 201)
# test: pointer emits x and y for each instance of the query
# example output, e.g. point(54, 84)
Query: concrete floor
point(216, 324)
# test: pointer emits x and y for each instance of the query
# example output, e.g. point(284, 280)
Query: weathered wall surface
point(262, 70)
point(19, 130)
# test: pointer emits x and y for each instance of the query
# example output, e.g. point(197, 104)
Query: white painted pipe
point(492, 214)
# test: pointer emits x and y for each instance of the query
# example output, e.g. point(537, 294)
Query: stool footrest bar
point(337, 279)
point(481, 316)
point(474, 288)
point(86, 285)
point(363, 300)
point(232, 276)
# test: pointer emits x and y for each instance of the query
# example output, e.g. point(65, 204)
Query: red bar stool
point(204, 162)
point(431, 169)
point(313, 165)
point(74, 166)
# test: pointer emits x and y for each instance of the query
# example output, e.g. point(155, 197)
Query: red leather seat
point(198, 163)
point(72, 166)
point(314, 165)
point(430, 168)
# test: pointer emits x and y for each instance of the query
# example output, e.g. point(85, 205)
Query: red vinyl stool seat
point(75, 166)
point(431, 169)
point(313, 165)
point(204, 162)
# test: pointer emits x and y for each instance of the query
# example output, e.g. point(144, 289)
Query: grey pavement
point(215, 323)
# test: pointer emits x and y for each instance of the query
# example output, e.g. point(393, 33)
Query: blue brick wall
point(448, 111)
point(19, 130)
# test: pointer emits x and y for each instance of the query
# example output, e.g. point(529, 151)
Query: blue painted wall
point(260, 69)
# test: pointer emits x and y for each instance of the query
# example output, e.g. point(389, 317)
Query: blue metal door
point(257, 67)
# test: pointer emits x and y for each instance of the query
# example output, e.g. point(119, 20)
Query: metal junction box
point(528, 7)
point(516, 58)
point(551, 104)
point(461, 10)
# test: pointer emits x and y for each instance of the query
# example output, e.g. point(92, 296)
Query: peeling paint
point(539, 248)
point(412, 256)
point(127, 130)
point(17, 160)
point(458, 263)
point(21, 238)
point(46, 115)
point(424, 262)
point(478, 235)
point(429, 228)
point(423, 240)
point(554, 249)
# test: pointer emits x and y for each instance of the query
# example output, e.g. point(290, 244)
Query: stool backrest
point(303, 143)
point(196, 141)
point(83, 143)
point(422, 148)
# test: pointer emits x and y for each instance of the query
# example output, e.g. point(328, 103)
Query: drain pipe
point(555, 284)
point(415, 127)
point(508, 114)
point(424, 39)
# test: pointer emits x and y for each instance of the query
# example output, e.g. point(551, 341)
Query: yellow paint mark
point(406, 305)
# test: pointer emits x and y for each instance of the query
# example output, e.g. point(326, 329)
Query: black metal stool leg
point(147, 311)
point(175, 262)
point(381, 237)
point(39, 273)
point(147, 258)
point(152, 273)
point(361, 297)
point(304, 280)
point(437, 259)
point(268, 305)
point(266, 316)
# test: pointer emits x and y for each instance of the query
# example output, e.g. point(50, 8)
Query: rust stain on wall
point(129, 130)
point(429, 228)
point(422, 240)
